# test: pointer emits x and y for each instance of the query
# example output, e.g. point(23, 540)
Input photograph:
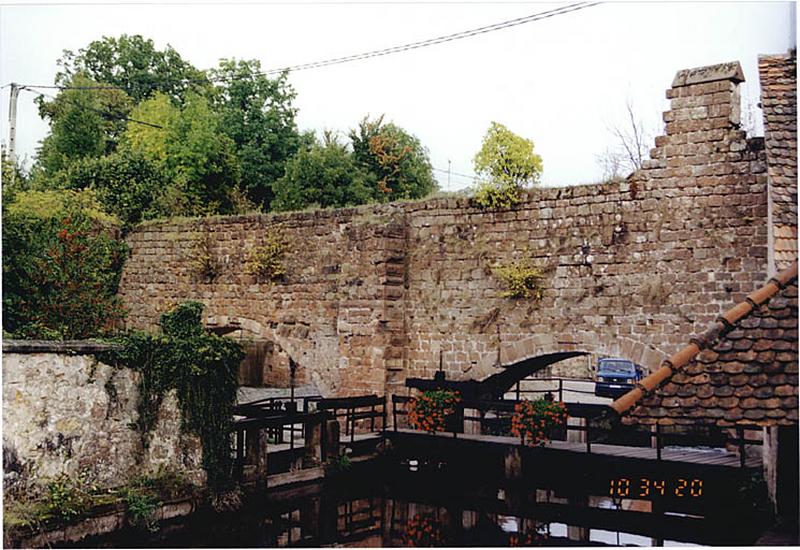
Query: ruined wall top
point(723, 71)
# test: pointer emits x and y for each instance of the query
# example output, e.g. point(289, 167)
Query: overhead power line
point(101, 111)
point(365, 55)
point(455, 173)
point(437, 40)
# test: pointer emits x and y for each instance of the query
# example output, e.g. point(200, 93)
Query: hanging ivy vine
point(201, 367)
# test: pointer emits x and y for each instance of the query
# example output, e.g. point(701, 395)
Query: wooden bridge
point(281, 441)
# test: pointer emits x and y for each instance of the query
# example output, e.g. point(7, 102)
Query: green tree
point(506, 163)
point(191, 150)
point(61, 266)
point(126, 184)
point(83, 123)
point(324, 175)
point(257, 114)
point(133, 63)
point(395, 159)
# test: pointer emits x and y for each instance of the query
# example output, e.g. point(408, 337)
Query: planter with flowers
point(534, 421)
point(423, 530)
point(431, 410)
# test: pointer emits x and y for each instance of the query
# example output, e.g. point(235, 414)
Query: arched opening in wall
point(266, 363)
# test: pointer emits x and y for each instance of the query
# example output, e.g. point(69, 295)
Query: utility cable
point(102, 112)
point(365, 55)
point(475, 178)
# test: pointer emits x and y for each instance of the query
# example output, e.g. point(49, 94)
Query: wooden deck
point(711, 457)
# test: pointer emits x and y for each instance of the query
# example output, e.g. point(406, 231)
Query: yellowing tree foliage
point(506, 163)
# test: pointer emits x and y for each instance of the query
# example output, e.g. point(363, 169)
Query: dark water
point(387, 504)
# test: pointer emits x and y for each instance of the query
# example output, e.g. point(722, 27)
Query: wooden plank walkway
point(711, 457)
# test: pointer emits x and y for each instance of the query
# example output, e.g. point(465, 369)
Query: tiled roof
point(785, 237)
point(743, 370)
point(779, 103)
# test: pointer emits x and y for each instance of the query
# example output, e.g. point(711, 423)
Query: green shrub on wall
point(61, 266)
point(492, 195)
point(266, 262)
point(201, 367)
point(522, 280)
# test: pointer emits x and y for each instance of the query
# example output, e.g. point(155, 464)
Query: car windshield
point(617, 367)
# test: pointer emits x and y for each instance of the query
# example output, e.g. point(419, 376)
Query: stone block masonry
point(376, 294)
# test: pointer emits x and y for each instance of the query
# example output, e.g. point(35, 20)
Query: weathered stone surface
point(711, 73)
point(66, 413)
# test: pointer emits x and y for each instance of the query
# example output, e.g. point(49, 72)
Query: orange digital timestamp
point(644, 487)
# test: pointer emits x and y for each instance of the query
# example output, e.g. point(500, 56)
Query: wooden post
point(742, 450)
point(658, 441)
point(257, 452)
point(588, 435)
point(330, 447)
point(239, 453)
point(313, 442)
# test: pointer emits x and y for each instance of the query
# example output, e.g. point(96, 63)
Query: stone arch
point(542, 344)
point(263, 344)
point(313, 347)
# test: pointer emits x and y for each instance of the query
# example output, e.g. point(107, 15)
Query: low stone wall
point(65, 412)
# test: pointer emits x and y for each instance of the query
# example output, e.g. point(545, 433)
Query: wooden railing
point(357, 412)
point(500, 418)
point(555, 387)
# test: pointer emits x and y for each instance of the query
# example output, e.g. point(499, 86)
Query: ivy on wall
point(201, 367)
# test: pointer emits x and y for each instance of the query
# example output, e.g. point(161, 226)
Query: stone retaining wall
point(64, 412)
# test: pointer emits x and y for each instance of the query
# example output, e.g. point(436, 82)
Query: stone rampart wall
point(375, 294)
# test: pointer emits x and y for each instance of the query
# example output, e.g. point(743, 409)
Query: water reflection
point(356, 510)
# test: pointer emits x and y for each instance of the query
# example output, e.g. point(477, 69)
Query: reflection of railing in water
point(494, 416)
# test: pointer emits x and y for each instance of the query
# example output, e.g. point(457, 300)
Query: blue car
point(616, 377)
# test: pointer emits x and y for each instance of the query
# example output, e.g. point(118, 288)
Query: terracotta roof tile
point(779, 103)
point(747, 373)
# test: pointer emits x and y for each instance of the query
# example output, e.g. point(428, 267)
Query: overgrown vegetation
point(492, 195)
point(339, 463)
point(204, 263)
point(201, 367)
point(155, 137)
point(66, 499)
point(522, 280)
point(62, 262)
point(505, 164)
point(266, 262)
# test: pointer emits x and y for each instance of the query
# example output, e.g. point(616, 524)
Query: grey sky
point(560, 82)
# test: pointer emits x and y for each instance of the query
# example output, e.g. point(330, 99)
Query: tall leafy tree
point(324, 175)
point(192, 151)
point(396, 159)
point(133, 63)
point(83, 123)
point(258, 115)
